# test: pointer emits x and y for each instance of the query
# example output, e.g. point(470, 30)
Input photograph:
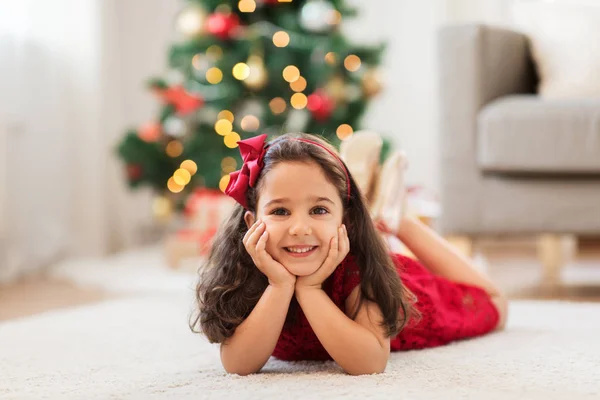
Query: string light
point(277, 105)
point(330, 58)
point(299, 101)
point(224, 182)
point(223, 127)
point(352, 63)
point(231, 140)
point(174, 186)
point(190, 166)
point(174, 148)
point(281, 39)
point(241, 71)
point(247, 6)
point(298, 85)
point(182, 176)
point(344, 131)
point(226, 114)
point(291, 73)
point(250, 123)
point(214, 75)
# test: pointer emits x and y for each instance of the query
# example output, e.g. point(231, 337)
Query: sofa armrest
point(477, 64)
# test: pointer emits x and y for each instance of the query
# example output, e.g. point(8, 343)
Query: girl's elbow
point(375, 367)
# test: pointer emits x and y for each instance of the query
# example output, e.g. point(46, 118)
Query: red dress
point(449, 311)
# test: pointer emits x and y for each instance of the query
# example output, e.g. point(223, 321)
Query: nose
point(300, 226)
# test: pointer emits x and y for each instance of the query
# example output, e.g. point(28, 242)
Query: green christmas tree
point(242, 68)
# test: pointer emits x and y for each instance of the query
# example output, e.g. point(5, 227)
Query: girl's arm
point(254, 340)
point(359, 347)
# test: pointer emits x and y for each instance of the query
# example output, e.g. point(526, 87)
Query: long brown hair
point(230, 285)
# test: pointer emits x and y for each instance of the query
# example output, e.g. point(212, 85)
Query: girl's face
point(302, 212)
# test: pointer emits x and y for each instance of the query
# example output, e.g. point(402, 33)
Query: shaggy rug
point(141, 348)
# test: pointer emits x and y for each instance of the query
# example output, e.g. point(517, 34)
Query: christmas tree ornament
point(320, 105)
point(222, 25)
point(317, 16)
point(191, 21)
point(150, 132)
point(352, 63)
point(183, 101)
point(257, 77)
point(371, 82)
point(175, 126)
point(134, 172)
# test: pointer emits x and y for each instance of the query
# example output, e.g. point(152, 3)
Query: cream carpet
point(140, 347)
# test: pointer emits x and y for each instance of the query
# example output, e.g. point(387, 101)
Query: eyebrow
point(286, 199)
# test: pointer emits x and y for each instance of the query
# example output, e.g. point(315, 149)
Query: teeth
point(300, 249)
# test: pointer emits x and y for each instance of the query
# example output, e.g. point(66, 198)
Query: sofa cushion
point(524, 134)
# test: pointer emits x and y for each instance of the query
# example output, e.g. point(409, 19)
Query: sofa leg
point(554, 251)
point(464, 244)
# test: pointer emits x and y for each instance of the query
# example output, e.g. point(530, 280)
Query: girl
point(300, 272)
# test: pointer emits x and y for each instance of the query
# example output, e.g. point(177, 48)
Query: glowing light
point(277, 105)
point(298, 85)
point(250, 123)
point(352, 63)
point(214, 75)
point(182, 176)
point(281, 39)
point(223, 127)
point(330, 58)
point(344, 131)
point(231, 140)
point(174, 148)
point(299, 101)
point(224, 182)
point(241, 71)
point(247, 6)
point(291, 73)
point(226, 114)
point(190, 166)
point(174, 186)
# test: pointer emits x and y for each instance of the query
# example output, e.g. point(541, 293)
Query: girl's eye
point(279, 211)
point(320, 210)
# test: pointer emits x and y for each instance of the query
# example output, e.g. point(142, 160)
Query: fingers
point(344, 246)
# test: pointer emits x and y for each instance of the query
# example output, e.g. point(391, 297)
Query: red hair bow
point(252, 151)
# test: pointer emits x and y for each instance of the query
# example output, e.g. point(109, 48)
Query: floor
point(510, 263)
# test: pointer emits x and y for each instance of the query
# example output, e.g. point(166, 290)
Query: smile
point(300, 251)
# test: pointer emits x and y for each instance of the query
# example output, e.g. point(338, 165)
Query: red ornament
point(150, 132)
point(320, 104)
point(222, 25)
point(183, 101)
point(134, 172)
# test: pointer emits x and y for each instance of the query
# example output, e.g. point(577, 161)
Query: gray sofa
point(511, 163)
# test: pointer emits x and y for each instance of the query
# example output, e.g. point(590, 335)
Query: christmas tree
point(242, 68)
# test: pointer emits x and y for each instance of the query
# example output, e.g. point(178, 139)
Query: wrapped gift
point(204, 212)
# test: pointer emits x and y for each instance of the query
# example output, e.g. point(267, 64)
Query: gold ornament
point(336, 89)
point(371, 82)
point(190, 21)
point(257, 78)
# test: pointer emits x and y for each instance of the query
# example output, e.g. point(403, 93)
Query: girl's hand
point(255, 242)
point(338, 249)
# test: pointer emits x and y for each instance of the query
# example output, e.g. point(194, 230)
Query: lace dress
point(449, 311)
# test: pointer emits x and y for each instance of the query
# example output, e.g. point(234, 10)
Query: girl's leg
point(442, 259)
